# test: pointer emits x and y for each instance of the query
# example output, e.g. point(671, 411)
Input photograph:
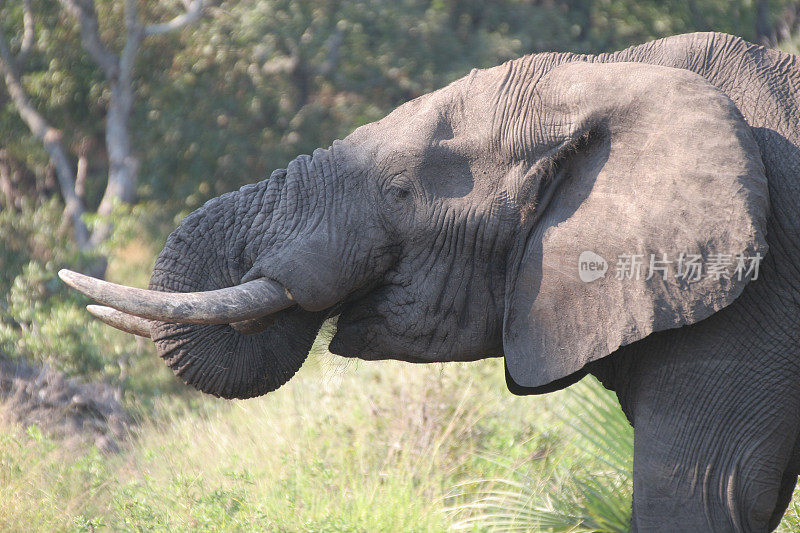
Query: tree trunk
point(123, 165)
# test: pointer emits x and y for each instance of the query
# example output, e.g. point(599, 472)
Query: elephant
point(632, 215)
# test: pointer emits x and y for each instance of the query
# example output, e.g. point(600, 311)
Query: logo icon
point(591, 267)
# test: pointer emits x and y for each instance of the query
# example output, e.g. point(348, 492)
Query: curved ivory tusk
point(222, 306)
point(117, 319)
point(141, 326)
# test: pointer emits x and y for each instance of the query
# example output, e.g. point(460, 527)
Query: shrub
point(41, 320)
point(589, 489)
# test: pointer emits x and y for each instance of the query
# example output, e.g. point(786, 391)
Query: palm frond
point(590, 494)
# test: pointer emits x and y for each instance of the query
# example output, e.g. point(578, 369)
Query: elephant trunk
point(252, 274)
point(214, 248)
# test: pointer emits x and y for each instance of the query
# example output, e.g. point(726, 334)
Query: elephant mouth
point(402, 322)
point(356, 324)
point(363, 330)
point(355, 339)
point(369, 339)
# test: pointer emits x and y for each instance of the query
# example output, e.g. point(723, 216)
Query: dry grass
point(354, 447)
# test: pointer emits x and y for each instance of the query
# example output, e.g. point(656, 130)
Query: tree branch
point(334, 44)
point(86, 15)
point(82, 170)
point(194, 10)
point(134, 37)
point(28, 34)
point(5, 182)
point(123, 165)
point(50, 138)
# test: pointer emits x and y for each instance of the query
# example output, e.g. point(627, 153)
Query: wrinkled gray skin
point(450, 230)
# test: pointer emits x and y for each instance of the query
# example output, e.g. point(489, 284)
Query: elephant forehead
point(415, 118)
point(438, 116)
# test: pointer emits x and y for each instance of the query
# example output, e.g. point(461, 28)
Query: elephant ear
point(643, 166)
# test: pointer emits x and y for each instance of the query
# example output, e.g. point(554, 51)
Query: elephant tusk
point(249, 300)
point(122, 321)
point(141, 326)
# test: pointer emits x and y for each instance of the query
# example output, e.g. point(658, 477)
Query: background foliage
point(248, 88)
point(220, 104)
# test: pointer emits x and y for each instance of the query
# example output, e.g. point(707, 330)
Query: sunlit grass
point(342, 447)
point(588, 490)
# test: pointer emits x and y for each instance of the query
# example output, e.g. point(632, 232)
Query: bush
point(42, 321)
point(589, 489)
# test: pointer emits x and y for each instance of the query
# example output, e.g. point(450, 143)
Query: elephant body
point(455, 229)
point(716, 409)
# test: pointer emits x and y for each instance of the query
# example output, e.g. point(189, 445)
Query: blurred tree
point(777, 24)
point(265, 80)
point(269, 79)
point(117, 70)
point(92, 108)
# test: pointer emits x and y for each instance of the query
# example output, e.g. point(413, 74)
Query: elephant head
point(451, 230)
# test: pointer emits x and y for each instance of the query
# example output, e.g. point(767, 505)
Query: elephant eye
point(399, 193)
point(399, 206)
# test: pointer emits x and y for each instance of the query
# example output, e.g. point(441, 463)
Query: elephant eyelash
point(401, 193)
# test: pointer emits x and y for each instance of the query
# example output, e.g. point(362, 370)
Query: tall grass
point(355, 447)
point(343, 447)
point(588, 490)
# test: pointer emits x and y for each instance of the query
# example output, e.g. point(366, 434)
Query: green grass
point(592, 493)
point(359, 447)
point(343, 447)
